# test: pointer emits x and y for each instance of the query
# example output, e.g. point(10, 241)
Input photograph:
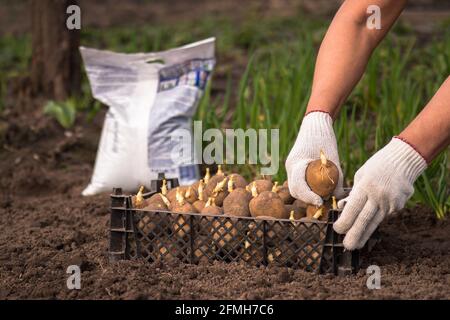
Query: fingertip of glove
point(339, 227)
point(341, 203)
point(315, 199)
point(351, 244)
point(318, 202)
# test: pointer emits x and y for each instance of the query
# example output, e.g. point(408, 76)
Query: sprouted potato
point(164, 188)
point(217, 188)
point(267, 203)
point(322, 176)
point(284, 193)
point(297, 212)
point(207, 176)
point(158, 200)
point(138, 200)
point(298, 207)
point(172, 194)
point(261, 185)
point(200, 203)
point(157, 206)
point(238, 180)
point(190, 195)
point(219, 171)
point(319, 213)
point(209, 209)
point(237, 202)
point(181, 227)
point(300, 204)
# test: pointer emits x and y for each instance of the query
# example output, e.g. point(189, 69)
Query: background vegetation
point(266, 69)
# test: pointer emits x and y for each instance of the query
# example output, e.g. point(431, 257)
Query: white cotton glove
point(316, 133)
point(381, 187)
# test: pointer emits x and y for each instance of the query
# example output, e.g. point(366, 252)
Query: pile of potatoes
point(232, 196)
point(220, 194)
point(227, 194)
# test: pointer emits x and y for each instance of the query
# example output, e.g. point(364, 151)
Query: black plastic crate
point(195, 238)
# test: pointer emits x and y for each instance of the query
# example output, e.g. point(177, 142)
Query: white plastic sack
point(149, 95)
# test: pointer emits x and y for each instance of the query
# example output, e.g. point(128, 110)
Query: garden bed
point(49, 226)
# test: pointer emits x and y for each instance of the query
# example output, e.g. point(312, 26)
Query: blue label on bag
point(192, 73)
point(188, 174)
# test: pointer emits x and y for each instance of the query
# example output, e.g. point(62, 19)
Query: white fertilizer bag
point(150, 95)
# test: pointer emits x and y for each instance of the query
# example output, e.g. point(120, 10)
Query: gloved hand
point(381, 187)
point(316, 133)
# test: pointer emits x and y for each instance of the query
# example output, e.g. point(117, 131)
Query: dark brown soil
point(47, 226)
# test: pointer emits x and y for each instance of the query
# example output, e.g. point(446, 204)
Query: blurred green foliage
point(64, 112)
point(273, 90)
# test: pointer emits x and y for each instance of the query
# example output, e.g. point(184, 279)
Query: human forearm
point(386, 181)
point(345, 51)
point(429, 133)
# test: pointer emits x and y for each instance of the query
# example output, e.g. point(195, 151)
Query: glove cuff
point(405, 159)
point(317, 123)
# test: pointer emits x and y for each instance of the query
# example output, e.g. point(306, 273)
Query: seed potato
point(217, 188)
point(269, 204)
point(261, 185)
point(237, 203)
point(322, 176)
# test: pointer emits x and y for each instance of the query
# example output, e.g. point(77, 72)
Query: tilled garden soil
point(46, 226)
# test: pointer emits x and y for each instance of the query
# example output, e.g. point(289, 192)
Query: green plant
point(400, 78)
point(432, 186)
point(64, 112)
point(273, 90)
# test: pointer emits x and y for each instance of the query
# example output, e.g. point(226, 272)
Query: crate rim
point(151, 193)
point(343, 262)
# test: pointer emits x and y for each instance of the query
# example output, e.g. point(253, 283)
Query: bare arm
point(386, 181)
point(429, 133)
point(345, 51)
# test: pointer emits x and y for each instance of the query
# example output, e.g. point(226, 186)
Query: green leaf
point(63, 112)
